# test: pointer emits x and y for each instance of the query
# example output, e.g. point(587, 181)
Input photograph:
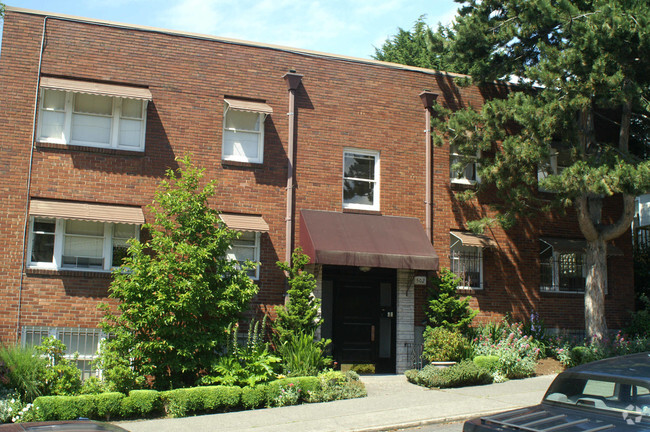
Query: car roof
point(634, 367)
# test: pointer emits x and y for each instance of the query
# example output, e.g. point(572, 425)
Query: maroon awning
point(366, 240)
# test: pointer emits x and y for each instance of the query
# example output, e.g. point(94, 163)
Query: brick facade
point(341, 103)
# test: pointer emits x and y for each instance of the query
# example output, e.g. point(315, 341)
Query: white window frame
point(456, 247)
point(256, 252)
point(453, 157)
point(377, 183)
point(59, 240)
point(115, 123)
point(260, 137)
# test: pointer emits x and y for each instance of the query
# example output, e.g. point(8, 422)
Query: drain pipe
point(293, 81)
point(428, 99)
point(29, 182)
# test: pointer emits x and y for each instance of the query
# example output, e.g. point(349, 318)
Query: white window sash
point(375, 182)
point(453, 157)
point(260, 140)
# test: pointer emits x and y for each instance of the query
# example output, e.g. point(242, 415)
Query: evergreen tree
point(583, 86)
point(445, 308)
point(178, 293)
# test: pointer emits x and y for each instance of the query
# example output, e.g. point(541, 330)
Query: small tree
point(302, 312)
point(178, 293)
point(445, 308)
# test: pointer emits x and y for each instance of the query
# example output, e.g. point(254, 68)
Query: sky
point(345, 27)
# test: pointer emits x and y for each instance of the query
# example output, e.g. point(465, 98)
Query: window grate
point(467, 266)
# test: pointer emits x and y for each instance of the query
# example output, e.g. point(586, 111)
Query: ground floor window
point(563, 270)
point(466, 262)
point(82, 344)
point(247, 248)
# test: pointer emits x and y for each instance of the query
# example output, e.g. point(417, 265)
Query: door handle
point(372, 333)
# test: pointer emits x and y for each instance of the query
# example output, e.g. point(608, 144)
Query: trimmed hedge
point(174, 403)
point(465, 373)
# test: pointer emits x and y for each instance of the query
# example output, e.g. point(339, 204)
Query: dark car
point(611, 394)
point(61, 426)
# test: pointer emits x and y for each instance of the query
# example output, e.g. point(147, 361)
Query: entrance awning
point(473, 240)
point(360, 240)
point(93, 88)
point(563, 245)
point(86, 211)
point(242, 222)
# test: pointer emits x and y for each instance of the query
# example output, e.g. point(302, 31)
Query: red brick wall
point(339, 104)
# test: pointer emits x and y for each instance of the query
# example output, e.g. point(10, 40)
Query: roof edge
point(300, 51)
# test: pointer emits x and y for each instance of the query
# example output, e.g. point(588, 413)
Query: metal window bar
point(467, 266)
point(82, 343)
point(563, 273)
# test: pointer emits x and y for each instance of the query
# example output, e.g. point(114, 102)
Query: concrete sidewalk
point(392, 403)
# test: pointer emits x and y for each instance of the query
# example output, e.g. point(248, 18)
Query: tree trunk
point(596, 264)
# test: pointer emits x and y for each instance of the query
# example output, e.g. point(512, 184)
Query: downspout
point(428, 99)
point(29, 182)
point(293, 81)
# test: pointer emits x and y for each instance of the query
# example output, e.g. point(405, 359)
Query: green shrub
point(412, 375)
point(465, 373)
point(305, 384)
point(582, 354)
point(20, 370)
point(639, 323)
point(488, 362)
point(182, 402)
point(335, 385)
point(92, 385)
point(62, 376)
point(108, 405)
point(254, 397)
point(65, 407)
point(141, 403)
point(302, 355)
point(445, 308)
point(441, 344)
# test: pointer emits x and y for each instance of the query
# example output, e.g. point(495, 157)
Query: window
point(561, 271)
point(361, 179)
point(559, 159)
point(67, 117)
point(466, 262)
point(247, 248)
point(82, 343)
point(462, 168)
point(243, 135)
point(78, 244)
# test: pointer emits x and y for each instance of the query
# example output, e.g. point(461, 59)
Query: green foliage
point(642, 275)
point(302, 356)
point(141, 403)
point(639, 323)
point(445, 308)
point(335, 385)
point(108, 405)
point(442, 344)
point(177, 292)
point(465, 373)
point(65, 407)
point(246, 365)
point(117, 372)
point(15, 410)
point(92, 385)
point(62, 376)
point(254, 397)
point(489, 362)
point(20, 369)
point(517, 352)
point(302, 311)
point(572, 352)
point(186, 401)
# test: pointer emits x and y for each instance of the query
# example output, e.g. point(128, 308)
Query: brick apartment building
point(94, 112)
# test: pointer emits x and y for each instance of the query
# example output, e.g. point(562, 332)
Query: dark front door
point(363, 316)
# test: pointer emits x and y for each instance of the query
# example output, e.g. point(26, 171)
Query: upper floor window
point(91, 114)
point(361, 179)
point(559, 159)
point(462, 168)
point(243, 130)
point(78, 244)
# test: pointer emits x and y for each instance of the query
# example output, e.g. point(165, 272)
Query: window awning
point(85, 211)
point(473, 240)
point(563, 245)
point(94, 88)
point(249, 106)
point(360, 240)
point(241, 222)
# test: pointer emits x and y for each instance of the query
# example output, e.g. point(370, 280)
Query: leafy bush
point(302, 355)
point(445, 308)
point(465, 373)
point(517, 352)
point(573, 352)
point(640, 321)
point(61, 376)
point(442, 344)
point(254, 397)
point(141, 403)
point(65, 407)
point(335, 385)
point(14, 410)
point(488, 362)
point(108, 405)
point(182, 402)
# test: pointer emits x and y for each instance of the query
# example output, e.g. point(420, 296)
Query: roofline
point(299, 51)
